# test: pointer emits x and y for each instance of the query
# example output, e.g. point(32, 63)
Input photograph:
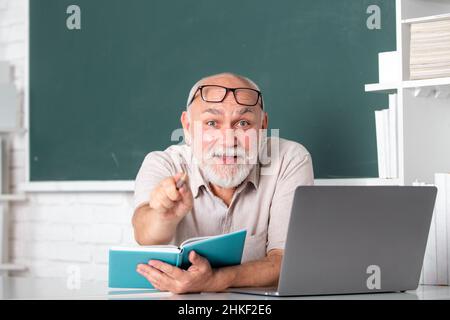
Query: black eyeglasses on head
point(216, 94)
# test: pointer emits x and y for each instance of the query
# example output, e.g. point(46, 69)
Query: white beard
point(226, 175)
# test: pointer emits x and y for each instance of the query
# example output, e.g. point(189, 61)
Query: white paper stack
point(386, 133)
point(437, 255)
point(389, 67)
point(430, 50)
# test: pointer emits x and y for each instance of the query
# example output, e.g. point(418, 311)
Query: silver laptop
point(354, 239)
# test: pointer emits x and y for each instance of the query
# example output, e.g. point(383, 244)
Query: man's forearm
point(149, 230)
point(260, 273)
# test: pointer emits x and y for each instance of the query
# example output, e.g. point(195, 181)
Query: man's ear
point(265, 121)
point(185, 122)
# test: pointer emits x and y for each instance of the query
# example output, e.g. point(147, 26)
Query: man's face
point(224, 136)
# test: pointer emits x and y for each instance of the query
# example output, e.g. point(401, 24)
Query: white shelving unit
point(5, 200)
point(423, 105)
point(8, 127)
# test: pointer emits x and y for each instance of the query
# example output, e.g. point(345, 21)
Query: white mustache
point(226, 152)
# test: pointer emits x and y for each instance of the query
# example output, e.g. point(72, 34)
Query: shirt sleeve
point(154, 168)
point(298, 171)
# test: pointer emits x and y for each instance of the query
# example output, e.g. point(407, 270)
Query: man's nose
point(228, 137)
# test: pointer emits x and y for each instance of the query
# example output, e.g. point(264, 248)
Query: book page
point(185, 242)
point(195, 239)
point(156, 248)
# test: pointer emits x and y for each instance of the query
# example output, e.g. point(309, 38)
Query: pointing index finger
point(181, 181)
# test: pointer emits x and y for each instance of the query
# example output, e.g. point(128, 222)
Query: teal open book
point(222, 250)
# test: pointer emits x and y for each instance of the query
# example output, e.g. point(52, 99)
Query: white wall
point(51, 232)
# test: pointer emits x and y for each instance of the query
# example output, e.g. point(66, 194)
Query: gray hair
point(197, 84)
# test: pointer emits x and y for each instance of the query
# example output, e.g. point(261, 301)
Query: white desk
point(30, 288)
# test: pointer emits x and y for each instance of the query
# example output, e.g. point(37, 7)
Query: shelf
point(381, 87)
point(427, 83)
point(12, 197)
point(13, 131)
point(410, 84)
point(427, 19)
point(12, 267)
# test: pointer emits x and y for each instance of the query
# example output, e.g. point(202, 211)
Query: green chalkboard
point(103, 96)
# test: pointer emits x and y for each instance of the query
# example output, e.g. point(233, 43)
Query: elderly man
point(228, 188)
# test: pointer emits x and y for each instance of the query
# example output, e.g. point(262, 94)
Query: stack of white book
point(386, 133)
point(436, 263)
point(430, 50)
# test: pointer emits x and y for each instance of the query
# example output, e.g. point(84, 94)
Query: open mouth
point(227, 159)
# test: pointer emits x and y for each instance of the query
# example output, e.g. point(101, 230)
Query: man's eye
point(211, 123)
point(243, 123)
